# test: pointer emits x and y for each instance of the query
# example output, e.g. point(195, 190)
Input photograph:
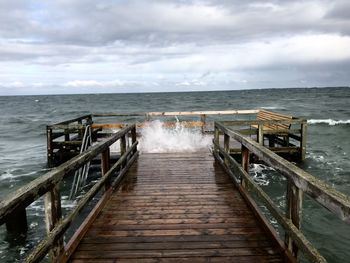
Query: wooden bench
point(264, 115)
point(269, 128)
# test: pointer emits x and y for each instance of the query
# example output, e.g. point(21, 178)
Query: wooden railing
point(13, 207)
point(64, 139)
point(201, 117)
point(72, 132)
point(297, 132)
point(299, 183)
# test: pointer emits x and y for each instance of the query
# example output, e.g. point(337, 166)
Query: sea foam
point(330, 122)
point(155, 138)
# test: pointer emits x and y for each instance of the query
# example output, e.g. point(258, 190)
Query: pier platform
point(202, 206)
point(179, 207)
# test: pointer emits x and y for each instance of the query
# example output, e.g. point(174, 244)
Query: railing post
point(227, 148)
point(80, 130)
point(66, 135)
point(49, 147)
point(245, 162)
point(294, 212)
point(16, 222)
point(105, 165)
point(133, 138)
point(53, 214)
point(203, 118)
point(303, 140)
point(89, 120)
point(261, 134)
point(122, 148)
point(216, 138)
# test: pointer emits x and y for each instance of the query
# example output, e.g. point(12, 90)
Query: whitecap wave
point(155, 138)
point(7, 175)
point(259, 173)
point(330, 122)
point(272, 108)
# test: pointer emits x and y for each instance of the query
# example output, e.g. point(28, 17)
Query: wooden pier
point(175, 207)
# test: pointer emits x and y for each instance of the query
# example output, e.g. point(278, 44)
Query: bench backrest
point(264, 115)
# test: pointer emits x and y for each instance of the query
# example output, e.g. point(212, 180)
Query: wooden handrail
point(27, 194)
point(309, 250)
point(324, 194)
point(299, 182)
point(263, 122)
point(13, 207)
point(78, 119)
point(44, 246)
point(175, 113)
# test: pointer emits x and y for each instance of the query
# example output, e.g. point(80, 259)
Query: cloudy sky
point(88, 46)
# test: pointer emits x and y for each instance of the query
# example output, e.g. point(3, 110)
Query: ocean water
point(23, 147)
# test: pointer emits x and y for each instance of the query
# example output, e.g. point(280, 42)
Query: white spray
point(155, 138)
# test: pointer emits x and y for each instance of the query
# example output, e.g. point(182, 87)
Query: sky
point(88, 46)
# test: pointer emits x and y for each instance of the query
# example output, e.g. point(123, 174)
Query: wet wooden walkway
point(177, 208)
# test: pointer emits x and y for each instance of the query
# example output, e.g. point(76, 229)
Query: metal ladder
point(81, 175)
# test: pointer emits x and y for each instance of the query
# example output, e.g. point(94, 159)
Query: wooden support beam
point(16, 222)
point(216, 139)
point(49, 147)
point(122, 148)
point(53, 215)
point(134, 138)
point(66, 135)
point(245, 163)
point(105, 165)
point(294, 213)
point(203, 118)
point(226, 147)
point(261, 135)
point(303, 141)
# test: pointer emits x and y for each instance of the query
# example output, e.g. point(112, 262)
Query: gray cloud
point(71, 41)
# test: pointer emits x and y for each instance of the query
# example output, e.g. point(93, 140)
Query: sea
point(23, 120)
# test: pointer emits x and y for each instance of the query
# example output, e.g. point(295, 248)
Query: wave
point(260, 173)
point(272, 108)
point(330, 122)
point(155, 138)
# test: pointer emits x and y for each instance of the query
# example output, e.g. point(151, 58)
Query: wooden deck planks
point(176, 208)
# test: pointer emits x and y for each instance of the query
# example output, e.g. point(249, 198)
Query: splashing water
point(155, 138)
point(330, 122)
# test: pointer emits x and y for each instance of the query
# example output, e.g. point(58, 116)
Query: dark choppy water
point(23, 145)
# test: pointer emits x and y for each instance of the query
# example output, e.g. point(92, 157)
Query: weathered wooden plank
point(177, 253)
point(197, 259)
point(178, 238)
point(174, 245)
point(175, 219)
